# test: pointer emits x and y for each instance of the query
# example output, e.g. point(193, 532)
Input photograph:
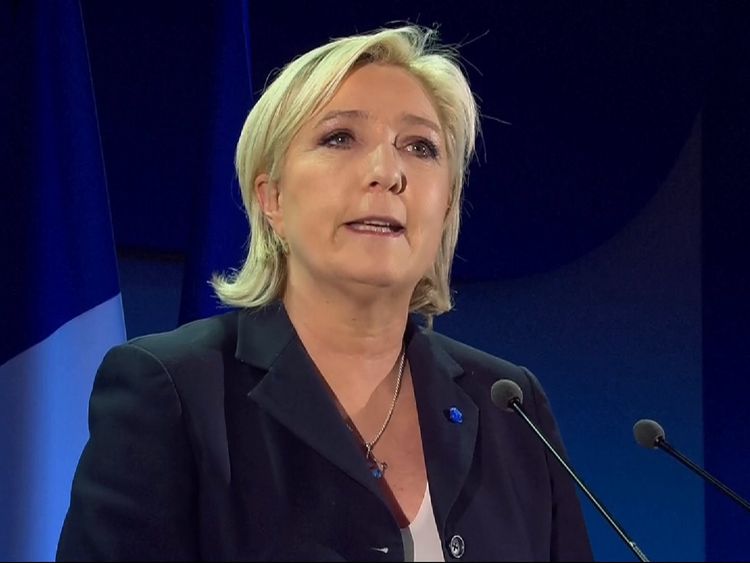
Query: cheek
point(311, 204)
point(431, 212)
point(436, 207)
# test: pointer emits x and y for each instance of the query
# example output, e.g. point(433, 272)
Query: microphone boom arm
point(515, 404)
point(661, 443)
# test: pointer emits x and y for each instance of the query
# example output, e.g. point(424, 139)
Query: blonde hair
point(307, 84)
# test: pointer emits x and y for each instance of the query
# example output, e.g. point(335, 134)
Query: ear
point(270, 200)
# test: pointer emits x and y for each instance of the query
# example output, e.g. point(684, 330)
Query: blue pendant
point(377, 468)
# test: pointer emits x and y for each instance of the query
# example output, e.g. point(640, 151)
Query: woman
point(319, 420)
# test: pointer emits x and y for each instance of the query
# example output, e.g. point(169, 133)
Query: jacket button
point(457, 547)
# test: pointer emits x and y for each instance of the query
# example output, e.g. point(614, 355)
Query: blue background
point(605, 226)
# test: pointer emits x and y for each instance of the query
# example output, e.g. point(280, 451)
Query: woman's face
point(364, 190)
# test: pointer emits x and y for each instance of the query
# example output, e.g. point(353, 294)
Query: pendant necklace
point(377, 467)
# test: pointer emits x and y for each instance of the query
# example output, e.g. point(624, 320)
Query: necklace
point(377, 467)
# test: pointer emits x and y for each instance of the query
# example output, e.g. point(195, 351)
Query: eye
point(337, 139)
point(424, 149)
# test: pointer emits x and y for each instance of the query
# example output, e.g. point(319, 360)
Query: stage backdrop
point(603, 241)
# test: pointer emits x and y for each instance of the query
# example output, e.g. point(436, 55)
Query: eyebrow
point(336, 114)
point(409, 118)
point(417, 120)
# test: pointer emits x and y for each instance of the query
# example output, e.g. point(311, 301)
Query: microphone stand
point(516, 406)
point(664, 445)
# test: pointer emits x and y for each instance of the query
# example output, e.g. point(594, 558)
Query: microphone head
point(504, 392)
point(648, 433)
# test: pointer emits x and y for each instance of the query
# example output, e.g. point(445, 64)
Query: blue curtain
point(60, 304)
point(219, 229)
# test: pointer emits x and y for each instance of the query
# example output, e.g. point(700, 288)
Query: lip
point(385, 222)
point(387, 219)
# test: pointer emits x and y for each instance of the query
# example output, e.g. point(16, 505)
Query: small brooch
point(454, 415)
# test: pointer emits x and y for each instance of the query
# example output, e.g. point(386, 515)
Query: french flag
point(60, 301)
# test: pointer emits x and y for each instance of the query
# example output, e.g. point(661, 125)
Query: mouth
point(383, 226)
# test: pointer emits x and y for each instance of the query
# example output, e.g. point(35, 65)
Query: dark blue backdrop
point(605, 224)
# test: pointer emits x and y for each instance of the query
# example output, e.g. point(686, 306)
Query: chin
point(378, 278)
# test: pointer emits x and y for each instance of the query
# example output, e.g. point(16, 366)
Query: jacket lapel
point(293, 392)
point(448, 445)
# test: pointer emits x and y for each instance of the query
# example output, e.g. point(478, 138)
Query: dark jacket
point(219, 441)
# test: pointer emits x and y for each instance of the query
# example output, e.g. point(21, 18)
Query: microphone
point(650, 435)
point(507, 395)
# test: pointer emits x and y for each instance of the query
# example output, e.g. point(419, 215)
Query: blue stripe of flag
point(55, 229)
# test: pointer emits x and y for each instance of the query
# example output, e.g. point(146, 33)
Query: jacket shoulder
point(475, 361)
point(217, 334)
point(481, 370)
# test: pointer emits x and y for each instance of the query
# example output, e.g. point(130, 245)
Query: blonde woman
point(322, 419)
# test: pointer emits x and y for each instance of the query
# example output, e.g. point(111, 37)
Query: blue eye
point(337, 139)
point(424, 149)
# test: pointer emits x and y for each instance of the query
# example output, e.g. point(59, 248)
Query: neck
point(355, 341)
point(347, 324)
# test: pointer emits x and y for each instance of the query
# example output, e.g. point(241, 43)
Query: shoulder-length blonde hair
point(304, 86)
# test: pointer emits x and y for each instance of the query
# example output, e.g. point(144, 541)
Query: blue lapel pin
point(455, 415)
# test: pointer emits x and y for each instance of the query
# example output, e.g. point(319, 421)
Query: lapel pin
point(455, 415)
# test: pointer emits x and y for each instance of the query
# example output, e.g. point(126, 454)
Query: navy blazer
point(220, 441)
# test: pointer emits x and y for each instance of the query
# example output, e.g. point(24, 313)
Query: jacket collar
point(262, 334)
point(293, 392)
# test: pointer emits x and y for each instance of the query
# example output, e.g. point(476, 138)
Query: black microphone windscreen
point(648, 432)
point(504, 392)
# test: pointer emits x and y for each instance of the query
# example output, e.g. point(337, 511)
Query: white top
point(421, 538)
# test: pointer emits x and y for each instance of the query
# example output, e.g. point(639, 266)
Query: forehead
point(382, 91)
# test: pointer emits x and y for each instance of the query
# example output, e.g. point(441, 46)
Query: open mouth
point(376, 226)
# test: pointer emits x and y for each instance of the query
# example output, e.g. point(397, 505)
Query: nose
point(385, 169)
